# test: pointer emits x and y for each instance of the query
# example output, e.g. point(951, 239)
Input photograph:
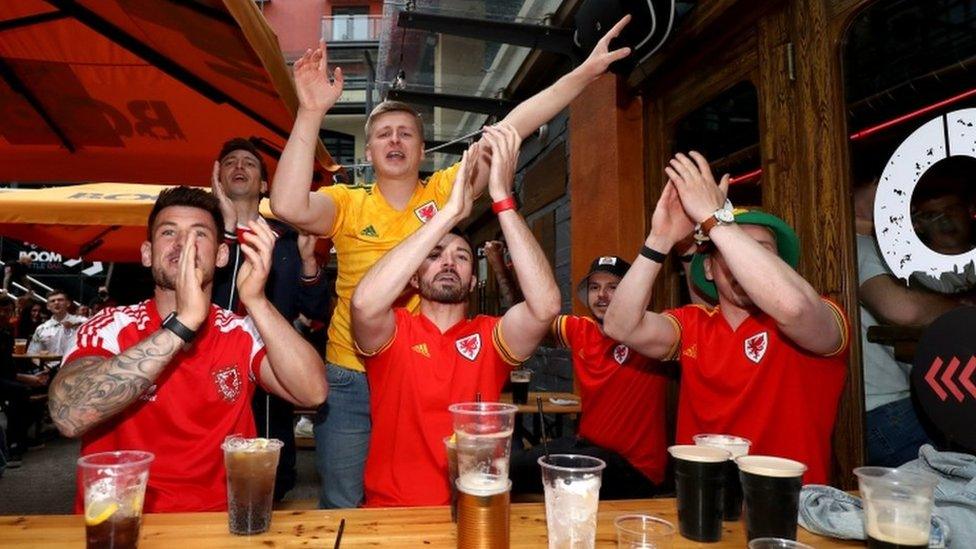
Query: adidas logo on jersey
point(369, 231)
point(421, 349)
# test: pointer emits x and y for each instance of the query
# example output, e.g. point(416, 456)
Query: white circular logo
point(953, 134)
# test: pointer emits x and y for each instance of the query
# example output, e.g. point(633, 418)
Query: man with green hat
point(768, 362)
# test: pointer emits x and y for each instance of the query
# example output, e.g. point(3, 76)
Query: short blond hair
point(394, 106)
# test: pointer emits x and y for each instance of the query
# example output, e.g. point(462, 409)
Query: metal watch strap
point(173, 324)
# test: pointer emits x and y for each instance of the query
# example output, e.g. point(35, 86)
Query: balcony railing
point(351, 28)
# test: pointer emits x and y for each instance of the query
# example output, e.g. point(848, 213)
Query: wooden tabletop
point(547, 406)
point(426, 527)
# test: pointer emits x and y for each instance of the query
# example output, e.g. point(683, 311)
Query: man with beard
point(366, 222)
point(768, 363)
point(174, 375)
point(295, 284)
point(622, 394)
point(419, 363)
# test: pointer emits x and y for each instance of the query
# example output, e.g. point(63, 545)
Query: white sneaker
point(304, 427)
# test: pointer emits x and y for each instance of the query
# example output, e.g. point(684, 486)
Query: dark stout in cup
point(771, 489)
point(699, 473)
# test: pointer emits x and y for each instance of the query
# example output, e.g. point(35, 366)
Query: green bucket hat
point(787, 246)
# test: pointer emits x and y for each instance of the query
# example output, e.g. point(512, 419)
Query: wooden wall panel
point(606, 175)
point(545, 181)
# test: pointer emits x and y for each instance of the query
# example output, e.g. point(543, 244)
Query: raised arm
point(292, 369)
point(526, 322)
point(770, 283)
point(508, 291)
point(291, 199)
point(92, 389)
point(627, 319)
point(541, 107)
point(373, 321)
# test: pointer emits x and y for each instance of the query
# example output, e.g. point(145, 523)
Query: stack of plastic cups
point(483, 439)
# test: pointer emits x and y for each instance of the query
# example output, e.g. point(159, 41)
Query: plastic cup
point(572, 487)
point(699, 474)
point(251, 464)
point(483, 518)
point(115, 488)
point(520, 385)
point(771, 489)
point(777, 543)
point(483, 432)
point(897, 506)
point(736, 446)
point(20, 346)
point(452, 473)
point(643, 532)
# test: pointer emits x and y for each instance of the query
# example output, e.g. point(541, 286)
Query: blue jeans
point(894, 434)
point(342, 428)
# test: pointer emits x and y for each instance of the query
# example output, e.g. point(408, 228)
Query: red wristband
point(507, 203)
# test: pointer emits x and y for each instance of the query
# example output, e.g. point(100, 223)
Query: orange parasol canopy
point(135, 90)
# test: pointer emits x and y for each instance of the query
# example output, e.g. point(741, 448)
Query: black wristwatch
point(172, 324)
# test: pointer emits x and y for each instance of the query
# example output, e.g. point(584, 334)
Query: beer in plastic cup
point(483, 516)
point(572, 486)
point(736, 446)
point(521, 379)
point(643, 532)
point(251, 464)
point(777, 543)
point(483, 432)
point(452, 473)
point(20, 346)
point(897, 506)
point(771, 486)
point(115, 487)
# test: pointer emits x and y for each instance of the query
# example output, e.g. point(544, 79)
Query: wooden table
point(547, 406)
point(424, 527)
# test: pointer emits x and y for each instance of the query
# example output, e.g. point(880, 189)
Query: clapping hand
point(692, 179)
point(504, 141)
point(192, 303)
point(257, 247)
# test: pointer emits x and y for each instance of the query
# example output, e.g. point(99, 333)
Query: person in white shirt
point(55, 335)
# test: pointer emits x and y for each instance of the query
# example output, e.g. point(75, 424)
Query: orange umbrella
point(95, 221)
point(135, 90)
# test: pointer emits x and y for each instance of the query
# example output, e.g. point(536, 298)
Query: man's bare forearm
point(293, 177)
point(90, 390)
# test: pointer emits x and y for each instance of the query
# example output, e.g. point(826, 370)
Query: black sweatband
point(172, 324)
point(653, 255)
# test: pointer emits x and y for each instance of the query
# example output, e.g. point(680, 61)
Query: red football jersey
point(755, 383)
point(412, 381)
point(202, 396)
point(622, 394)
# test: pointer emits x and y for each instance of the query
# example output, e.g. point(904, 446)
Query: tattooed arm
point(91, 389)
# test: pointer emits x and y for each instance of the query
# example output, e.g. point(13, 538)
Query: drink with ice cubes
point(572, 487)
point(251, 464)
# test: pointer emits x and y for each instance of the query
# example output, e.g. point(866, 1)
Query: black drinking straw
point(342, 526)
point(542, 425)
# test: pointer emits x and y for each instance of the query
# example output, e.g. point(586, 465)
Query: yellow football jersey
point(365, 228)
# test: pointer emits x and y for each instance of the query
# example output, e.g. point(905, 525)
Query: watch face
point(725, 216)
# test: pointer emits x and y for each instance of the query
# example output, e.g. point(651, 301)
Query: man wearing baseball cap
point(768, 363)
point(622, 396)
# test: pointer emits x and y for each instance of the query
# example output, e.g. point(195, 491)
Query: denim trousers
point(894, 434)
point(342, 426)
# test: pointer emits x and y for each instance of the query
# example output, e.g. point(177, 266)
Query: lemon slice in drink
point(98, 512)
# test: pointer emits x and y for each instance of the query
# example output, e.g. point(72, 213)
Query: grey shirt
point(885, 379)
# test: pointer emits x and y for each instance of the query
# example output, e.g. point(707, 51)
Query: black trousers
point(620, 479)
point(19, 414)
point(275, 418)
